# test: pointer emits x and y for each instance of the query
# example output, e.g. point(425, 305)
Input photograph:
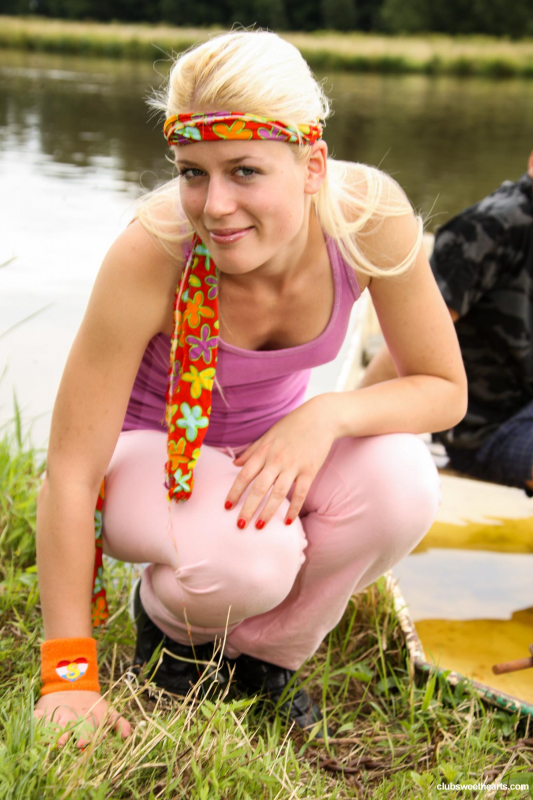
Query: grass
point(356, 52)
point(396, 734)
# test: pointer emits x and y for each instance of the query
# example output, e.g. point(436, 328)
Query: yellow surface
point(471, 648)
point(496, 535)
point(467, 588)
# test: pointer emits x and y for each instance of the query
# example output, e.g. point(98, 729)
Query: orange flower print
point(196, 310)
point(237, 130)
point(175, 453)
point(99, 611)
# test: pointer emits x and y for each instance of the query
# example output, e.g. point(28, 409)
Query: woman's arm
point(382, 368)
point(128, 305)
point(430, 393)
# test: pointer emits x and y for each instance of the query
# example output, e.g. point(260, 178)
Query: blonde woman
point(237, 278)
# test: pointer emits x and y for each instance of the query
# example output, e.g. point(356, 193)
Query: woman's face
point(249, 184)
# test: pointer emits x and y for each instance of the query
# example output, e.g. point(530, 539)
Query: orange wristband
point(69, 664)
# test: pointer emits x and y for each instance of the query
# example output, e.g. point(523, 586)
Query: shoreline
point(431, 54)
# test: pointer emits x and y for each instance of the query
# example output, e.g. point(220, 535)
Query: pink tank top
point(259, 386)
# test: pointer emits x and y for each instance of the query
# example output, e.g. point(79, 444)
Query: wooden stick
point(513, 666)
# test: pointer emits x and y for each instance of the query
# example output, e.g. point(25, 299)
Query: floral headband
point(188, 128)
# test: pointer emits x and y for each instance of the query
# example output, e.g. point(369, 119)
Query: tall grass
point(396, 735)
point(430, 54)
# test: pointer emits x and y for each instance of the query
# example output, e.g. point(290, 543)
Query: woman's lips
point(229, 238)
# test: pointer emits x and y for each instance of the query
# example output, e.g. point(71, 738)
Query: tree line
point(491, 17)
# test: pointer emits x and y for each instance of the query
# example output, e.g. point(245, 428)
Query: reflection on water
point(89, 121)
point(447, 140)
point(466, 584)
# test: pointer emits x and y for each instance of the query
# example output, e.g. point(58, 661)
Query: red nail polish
point(288, 521)
point(241, 523)
point(228, 504)
point(260, 523)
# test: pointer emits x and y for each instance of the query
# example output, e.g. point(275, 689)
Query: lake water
point(78, 146)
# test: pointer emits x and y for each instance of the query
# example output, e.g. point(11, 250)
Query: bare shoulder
point(131, 301)
point(146, 260)
point(143, 255)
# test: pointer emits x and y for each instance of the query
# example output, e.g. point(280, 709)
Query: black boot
point(173, 674)
point(257, 676)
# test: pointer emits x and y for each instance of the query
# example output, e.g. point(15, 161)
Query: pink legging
point(278, 591)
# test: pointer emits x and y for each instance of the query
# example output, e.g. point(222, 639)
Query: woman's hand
point(293, 449)
point(62, 708)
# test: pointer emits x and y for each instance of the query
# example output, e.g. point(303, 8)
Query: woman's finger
point(277, 496)
point(119, 724)
point(301, 489)
point(85, 733)
point(265, 481)
point(245, 455)
point(251, 469)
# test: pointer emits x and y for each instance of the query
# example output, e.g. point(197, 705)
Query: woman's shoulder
point(154, 243)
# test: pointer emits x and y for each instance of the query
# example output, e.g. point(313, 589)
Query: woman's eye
point(183, 172)
point(248, 169)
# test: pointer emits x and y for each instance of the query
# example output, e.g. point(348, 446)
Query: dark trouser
point(505, 457)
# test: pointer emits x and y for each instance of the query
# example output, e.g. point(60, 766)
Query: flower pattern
point(189, 386)
point(191, 420)
point(183, 129)
point(202, 345)
point(99, 580)
point(181, 480)
point(195, 456)
point(99, 611)
point(213, 287)
point(176, 453)
point(237, 130)
point(274, 133)
point(99, 602)
point(196, 310)
point(199, 380)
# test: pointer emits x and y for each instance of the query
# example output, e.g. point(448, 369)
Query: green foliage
point(491, 17)
point(339, 15)
point(20, 476)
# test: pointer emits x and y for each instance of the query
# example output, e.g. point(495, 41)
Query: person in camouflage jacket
point(483, 263)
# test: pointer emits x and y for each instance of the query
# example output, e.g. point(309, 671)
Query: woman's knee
point(237, 579)
point(406, 488)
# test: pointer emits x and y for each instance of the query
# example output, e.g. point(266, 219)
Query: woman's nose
point(219, 201)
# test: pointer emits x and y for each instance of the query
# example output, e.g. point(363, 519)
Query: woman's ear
point(316, 166)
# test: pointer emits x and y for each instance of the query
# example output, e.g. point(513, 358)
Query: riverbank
point(355, 52)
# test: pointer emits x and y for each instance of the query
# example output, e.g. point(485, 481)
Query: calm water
point(77, 146)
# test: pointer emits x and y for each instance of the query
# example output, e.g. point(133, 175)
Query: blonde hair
point(259, 72)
